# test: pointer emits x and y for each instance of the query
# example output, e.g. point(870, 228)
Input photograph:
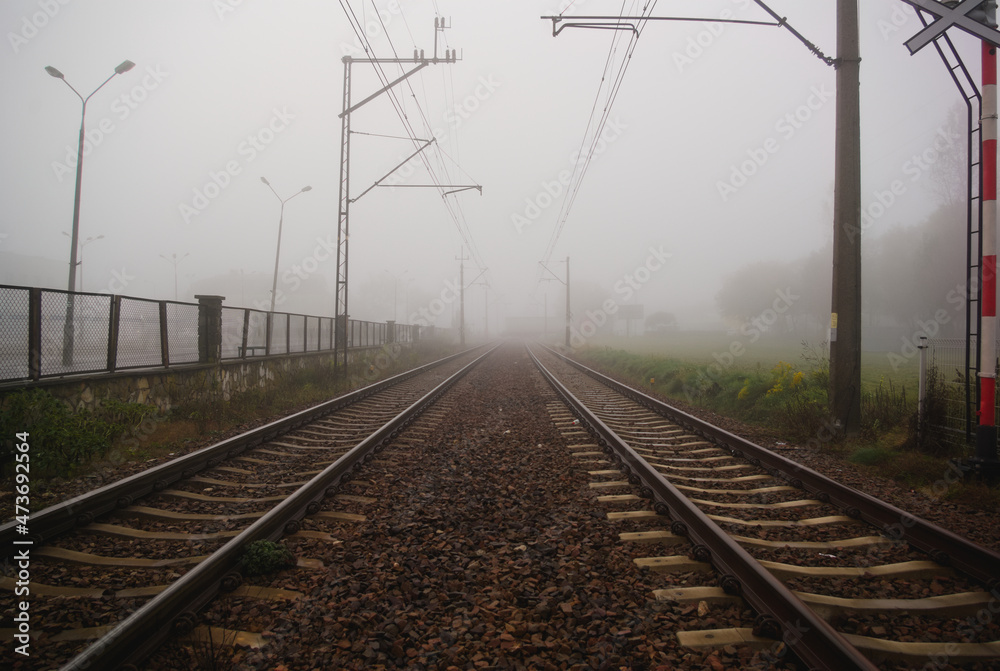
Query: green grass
point(63, 442)
point(871, 455)
point(700, 347)
point(779, 394)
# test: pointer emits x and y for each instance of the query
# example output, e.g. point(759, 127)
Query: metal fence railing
point(955, 421)
point(50, 332)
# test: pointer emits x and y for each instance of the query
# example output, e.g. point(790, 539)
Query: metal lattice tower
point(344, 198)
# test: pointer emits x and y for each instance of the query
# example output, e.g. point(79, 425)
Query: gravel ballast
point(485, 549)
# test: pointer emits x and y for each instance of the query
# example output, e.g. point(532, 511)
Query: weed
point(63, 441)
point(916, 470)
point(883, 409)
point(212, 648)
point(817, 357)
point(939, 419)
point(974, 494)
point(871, 455)
point(264, 557)
point(788, 398)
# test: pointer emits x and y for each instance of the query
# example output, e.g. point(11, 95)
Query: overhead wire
point(458, 217)
point(379, 71)
point(573, 183)
point(580, 170)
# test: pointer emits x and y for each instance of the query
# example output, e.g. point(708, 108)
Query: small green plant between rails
point(261, 557)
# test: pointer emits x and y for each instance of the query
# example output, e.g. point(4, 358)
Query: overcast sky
point(229, 91)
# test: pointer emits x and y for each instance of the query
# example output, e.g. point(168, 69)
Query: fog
point(716, 161)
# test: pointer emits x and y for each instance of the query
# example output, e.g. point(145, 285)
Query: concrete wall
point(168, 387)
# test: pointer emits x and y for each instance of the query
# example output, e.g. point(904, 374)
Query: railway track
point(130, 564)
point(484, 548)
point(473, 538)
point(833, 573)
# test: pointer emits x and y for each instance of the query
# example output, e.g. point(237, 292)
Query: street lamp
point(281, 219)
point(174, 260)
point(80, 262)
point(124, 67)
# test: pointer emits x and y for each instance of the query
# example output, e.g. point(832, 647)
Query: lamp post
point(79, 263)
point(174, 260)
point(281, 218)
point(68, 329)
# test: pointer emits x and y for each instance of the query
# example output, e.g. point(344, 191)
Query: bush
point(264, 557)
point(63, 441)
point(883, 409)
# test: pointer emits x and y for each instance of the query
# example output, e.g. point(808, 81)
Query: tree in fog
point(948, 174)
point(910, 273)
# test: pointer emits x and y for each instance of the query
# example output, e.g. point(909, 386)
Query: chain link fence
point(49, 333)
point(955, 417)
point(74, 332)
point(182, 332)
point(14, 334)
point(139, 327)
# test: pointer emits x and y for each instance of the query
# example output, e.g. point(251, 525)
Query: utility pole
point(569, 314)
point(486, 307)
point(461, 292)
point(566, 283)
point(420, 61)
point(845, 317)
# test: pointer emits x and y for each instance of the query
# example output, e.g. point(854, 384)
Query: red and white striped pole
point(986, 435)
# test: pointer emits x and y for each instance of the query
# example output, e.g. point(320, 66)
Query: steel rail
point(943, 546)
point(83, 509)
point(782, 615)
point(175, 608)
